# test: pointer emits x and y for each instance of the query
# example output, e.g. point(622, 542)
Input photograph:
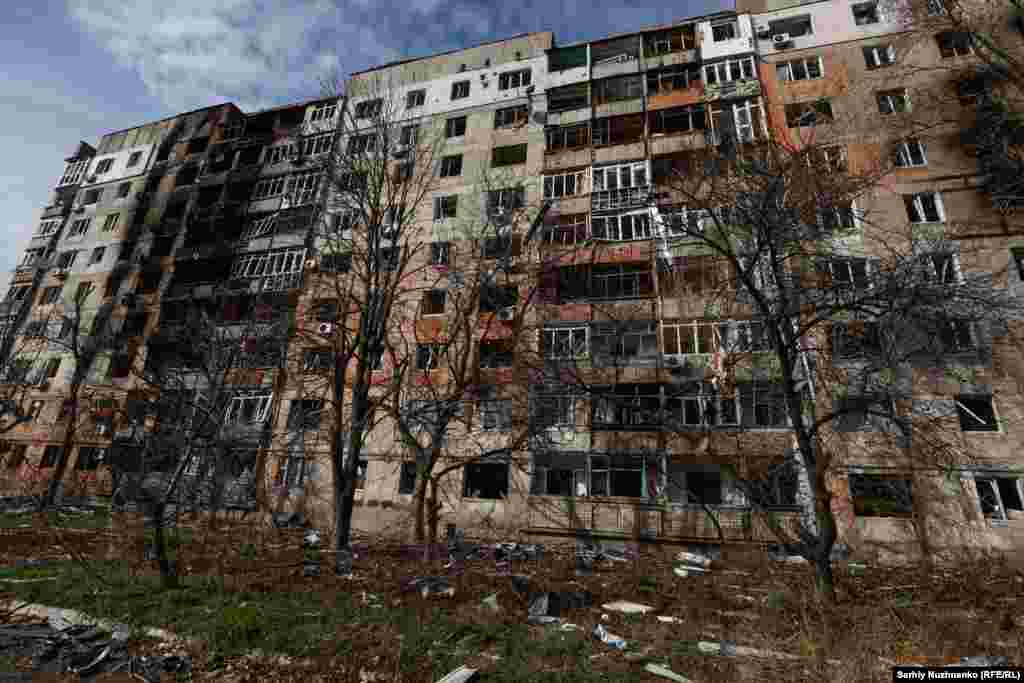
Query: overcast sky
point(77, 69)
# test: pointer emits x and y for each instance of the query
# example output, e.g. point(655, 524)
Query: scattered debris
point(856, 568)
point(461, 675)
point(518, 551)
point(520, 583)
point(659, 670)
point(430, 585)
point(609, 638)
point(554, 604)
point(694, 559)
point(491, 602)
point(627, 607)
point(669, 620)
point(569, 627)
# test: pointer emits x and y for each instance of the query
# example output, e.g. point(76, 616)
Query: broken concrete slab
point(664, 672)
point(626, 607)
point(461, 675)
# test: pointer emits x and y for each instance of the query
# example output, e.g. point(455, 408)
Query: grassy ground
point(244, 593)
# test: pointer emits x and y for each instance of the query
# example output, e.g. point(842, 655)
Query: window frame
point(551, 181)
point(720, 36)
point(916, 208)
point(861, 10)
point(234, 414)
point(903, 509)
point(639, 223)
point(954, 44)
point(903, 157)
point(876, 52)
point(80, 226)
point(500, 154)
point(805, 64)
point(577, 349)
point(446, 207)
point(511, 117)
point(451, 127)
point(434, 302)
point(451, 166)
point(973, 416)
point(460, 90)
point(722, 71)
point(440, 253)
point(887, 100)
point(415, 98)
point(467, 491)
point(510, 80)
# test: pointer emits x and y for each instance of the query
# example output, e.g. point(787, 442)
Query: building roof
point(447, 52)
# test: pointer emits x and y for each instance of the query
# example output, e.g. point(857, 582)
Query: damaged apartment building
point(218, 207)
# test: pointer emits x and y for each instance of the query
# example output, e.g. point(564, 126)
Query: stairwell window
point(877, 56)
point(893, 101)
point(910, 153)
point(924, 207)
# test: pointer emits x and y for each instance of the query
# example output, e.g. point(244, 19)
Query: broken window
point(488, 480)
point(428, 356)
point(627, 406)
point(496, 355)
point(508, 155)
point(496, 298)
point(616, 475)
point(451, 166)
point(440, 253)
point(954, 44)
point(460, 90)
point(866, 13)
point(51, 455)
point(809, 113)
point(504, 201)
point(407, 478)
point(977, 414)
point(877, 56)
point(305, 414)
point(893, 101)
point(567, 137)
point(495, 413)
point(564, 184)
point(433, 302)
point(618, 88)
point(618, 130)
point(729, 70)
point(794, 26)
point(701, 404)
point(999, 495)
point(323, 112)
point(551, 410)
point(612, 281)
point(415, 98)
point(909, 153)
point(455, 127)
point(671, 78)
point(249, 407)
point(877, 495)
point(724, 30)
point(924, 207)
point(509, 117)
point(624, 227)
point(514, 79)
point(565, 342)
point(369, 108)
point(1017, 257)
point(678, 120)
point(568, 97)
point(318, 360)
point(89, 457)
point(807, 68)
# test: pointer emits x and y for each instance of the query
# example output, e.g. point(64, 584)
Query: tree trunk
point(433, 509)
point(824, 581)
point(53, 489)
point(421, 517)
point(168, 569)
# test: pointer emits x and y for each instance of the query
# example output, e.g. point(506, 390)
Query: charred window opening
point(877, 495)
point(487, 480)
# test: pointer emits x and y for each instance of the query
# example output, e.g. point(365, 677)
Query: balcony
point(621, 198)
point(669, 522)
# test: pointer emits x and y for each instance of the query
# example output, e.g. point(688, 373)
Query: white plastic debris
point(627, 607)
point(609, 638)
point(658, 670)
point(669, 620)
point(694, 559)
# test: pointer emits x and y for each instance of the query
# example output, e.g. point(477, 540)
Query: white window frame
point(79, 227)
point(903, 156)
point(239, 402)
point(73, 173)
point(577, 338)
point(32, 257)
point(302, 188)
point(48, 227)
point(917, 203)
point(665, 79)
point(636, 175)
point(442, 205)
point(721, 72)
point(557, 186)
point(323, 112)
point(269, 265)
point(639, 224)
point(268, 188)
point(804, 62)
point(735, 32)
point(110, 222)
point(890, 98)
point(259, 227)
point(879, 56)
point(519, 78)
point(748, 107)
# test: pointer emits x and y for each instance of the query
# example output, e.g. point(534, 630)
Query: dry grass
point(881, 617)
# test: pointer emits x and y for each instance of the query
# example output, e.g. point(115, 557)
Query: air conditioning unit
point(325, 328)
point(507, 313)
point(764, 31)
point(781, 38)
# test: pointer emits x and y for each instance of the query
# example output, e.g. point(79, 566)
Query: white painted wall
point(744, 42)
point(832, 22)
point(120, 168)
